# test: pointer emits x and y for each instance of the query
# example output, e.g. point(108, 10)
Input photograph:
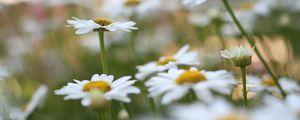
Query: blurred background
point(37, 48)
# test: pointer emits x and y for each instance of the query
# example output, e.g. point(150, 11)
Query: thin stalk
point(106, 114)
point(268, 53)
point(126, 107)
point(152, 105)
point(132, 43)
point(102, 51)
point(148, 99)
point(132, 47)
point(243, 72)
point(252, 43)
point(222, 40)
point(289, 53)
point(99, 117)
point(109, 112)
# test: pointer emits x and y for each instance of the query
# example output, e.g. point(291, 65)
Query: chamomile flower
point(85, 26)
point(240, 56)
point(277, 109)
point(176, 83)
point(182, 57)
point(129, 8)
point(117, 89)
point(219, 109)
point(37, 98)
point(4, 73)
point(267, 83)
point(193, 2)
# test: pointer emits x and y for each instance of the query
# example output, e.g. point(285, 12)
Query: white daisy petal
point(120, 81)
point(174, 94)
point(86, 102)
point(176, 83)
point(182, 57)
point(96, 77)
point(117, 90)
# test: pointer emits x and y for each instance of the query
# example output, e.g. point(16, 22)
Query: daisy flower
point(277, 109)
point(219, 109)
point(37, 98)
point(4, 73)
point(182, 57)
point(112, 89)
point(240, 56)
point(129, 8)
point(85, 26)
point(268, 84)
point(230, 29)
point(193, 2)
point(176, 83)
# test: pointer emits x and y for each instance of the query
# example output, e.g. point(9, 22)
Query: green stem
point(126, 107)
point(102, 51)
point(252, 43)
point(108, 112)
point(152, 105)
point(243, 72)
point(132, 47)
point(99, 117)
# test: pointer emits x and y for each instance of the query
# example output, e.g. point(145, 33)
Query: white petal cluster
point(182, 57)
point(267, 84)
point(193, 2)
point(85, 26)
point(272, 108)
point(277, 109)
point(120, 89)
point(240, 56)
point(37, 98)
point(118, 8)
point(219, 109)
point(237, 52)
point(165, 84)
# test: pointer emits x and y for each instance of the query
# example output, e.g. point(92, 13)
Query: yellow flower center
point(268, 82)
point(102, 22)
point(100, 85)
point(165, 61)
point(246, 6)
point(190, 77)
point(231, 117)
point(132, 2)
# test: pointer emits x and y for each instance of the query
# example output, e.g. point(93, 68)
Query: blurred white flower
point(219, 109)
point(37, 98)
point(182, 57)
point(149, 42)
point(277, 109)
point(284, 20)
point(85, 26)
point(268, 84)
point(204, 19)
point(117, 89)
point(263, 7)
point(240, 56)
point(292, 5)
point(247, 19)
point(129, 8)
point(176, 83)
point(123, 115)
point(4, 73)
point(193, 2)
